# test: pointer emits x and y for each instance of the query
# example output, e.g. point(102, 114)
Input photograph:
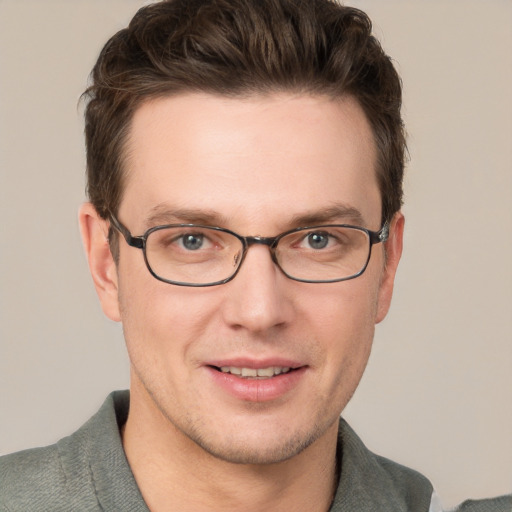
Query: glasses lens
point(324, 253)
point(193, 255)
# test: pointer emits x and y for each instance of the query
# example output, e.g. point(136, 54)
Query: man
point(245, 161)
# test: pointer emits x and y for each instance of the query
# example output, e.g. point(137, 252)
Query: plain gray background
point(437, 394)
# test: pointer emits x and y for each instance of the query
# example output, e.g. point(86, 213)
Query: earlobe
point(94, 232)
point(393, 247)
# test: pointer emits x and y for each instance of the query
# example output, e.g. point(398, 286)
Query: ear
point(393, 247)
point(94, 232)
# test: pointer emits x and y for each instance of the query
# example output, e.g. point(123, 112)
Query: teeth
point(266, 372)
point(253, 372)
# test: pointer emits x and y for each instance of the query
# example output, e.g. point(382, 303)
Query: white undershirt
point(435, 503)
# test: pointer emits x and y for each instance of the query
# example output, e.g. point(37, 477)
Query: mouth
point(257, 381)
point(255, 373)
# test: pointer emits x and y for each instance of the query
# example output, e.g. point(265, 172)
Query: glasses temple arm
point(381, 235)
point(134, 241)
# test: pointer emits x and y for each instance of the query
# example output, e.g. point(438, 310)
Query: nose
point(256, 299)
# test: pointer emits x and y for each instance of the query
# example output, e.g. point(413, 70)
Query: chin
point(262, 448)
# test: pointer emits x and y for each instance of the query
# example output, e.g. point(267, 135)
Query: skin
point(258, 163)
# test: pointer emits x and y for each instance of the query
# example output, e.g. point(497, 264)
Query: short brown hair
point(237, 48)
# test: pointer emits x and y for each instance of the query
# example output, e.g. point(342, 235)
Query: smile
point(252, 381)
point(254, 373)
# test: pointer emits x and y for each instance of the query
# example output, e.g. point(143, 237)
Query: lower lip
point(258, 390)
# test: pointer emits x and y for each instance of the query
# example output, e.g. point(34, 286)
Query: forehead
point(250, 160)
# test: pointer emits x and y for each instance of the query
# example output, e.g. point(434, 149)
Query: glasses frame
point(139, 242)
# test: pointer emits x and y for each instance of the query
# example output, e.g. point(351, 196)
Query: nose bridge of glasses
point(269, 241)
point(262, 240)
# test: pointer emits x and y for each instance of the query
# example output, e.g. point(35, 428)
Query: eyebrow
point(163, 213)
point(338, 212)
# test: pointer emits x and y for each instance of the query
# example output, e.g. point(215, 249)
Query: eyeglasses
point(195, 255)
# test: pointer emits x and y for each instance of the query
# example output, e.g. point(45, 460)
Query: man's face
point(256, 166)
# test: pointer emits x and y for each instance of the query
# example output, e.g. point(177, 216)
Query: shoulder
point(371, 482)
point(30, 478)
point(76, 472)
point(402, 476)
point(499, 504)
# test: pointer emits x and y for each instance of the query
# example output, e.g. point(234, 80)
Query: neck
point(174, 473)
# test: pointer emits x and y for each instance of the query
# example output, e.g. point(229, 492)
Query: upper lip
point(245, 362)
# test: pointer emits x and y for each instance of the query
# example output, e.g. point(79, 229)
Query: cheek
point(345, 309)
point(344, 325)
point(162, 312)
point(160, 321)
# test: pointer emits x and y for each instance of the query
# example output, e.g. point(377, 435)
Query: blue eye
point(192, 242)
point(318, 240)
